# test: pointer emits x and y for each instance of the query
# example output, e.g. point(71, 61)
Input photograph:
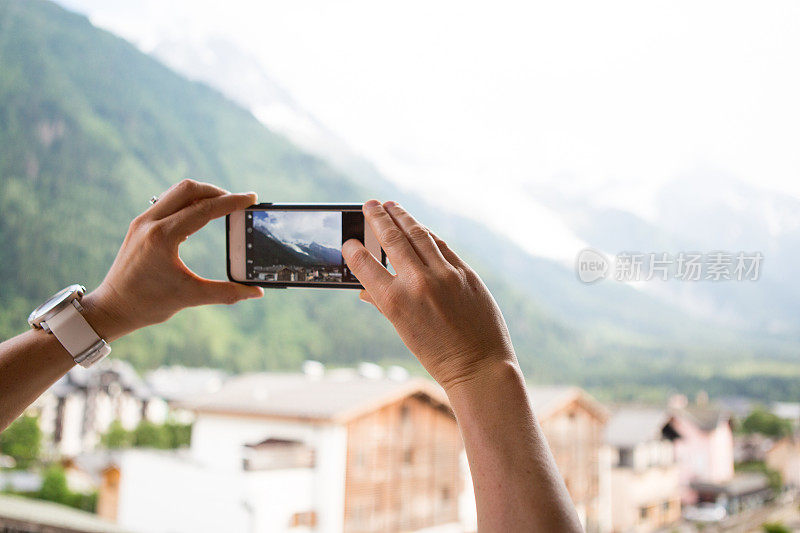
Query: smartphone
point(296, 245)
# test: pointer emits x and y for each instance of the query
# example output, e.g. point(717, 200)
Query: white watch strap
point(77, 336)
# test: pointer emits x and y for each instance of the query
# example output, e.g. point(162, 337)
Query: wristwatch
point(61, 316)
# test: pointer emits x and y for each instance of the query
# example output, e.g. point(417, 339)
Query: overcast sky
point(480, 101)
point(324, 228)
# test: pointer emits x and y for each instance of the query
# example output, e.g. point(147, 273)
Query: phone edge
point(293, 284)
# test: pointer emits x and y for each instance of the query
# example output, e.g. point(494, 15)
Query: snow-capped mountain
point(270, 250)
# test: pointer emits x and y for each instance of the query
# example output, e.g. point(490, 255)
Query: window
point(408, 456)
point(445, 494)
point(304, 519)
point(625, 457)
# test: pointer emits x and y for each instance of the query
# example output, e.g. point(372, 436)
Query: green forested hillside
point(90, 128)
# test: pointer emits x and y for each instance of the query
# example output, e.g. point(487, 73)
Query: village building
point(645, 483)
point(272, 452)
point(79, 408)
point(705, 450)
point(573, 423)
point(784, 457)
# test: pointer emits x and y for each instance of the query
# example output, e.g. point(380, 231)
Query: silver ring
point(153, 199)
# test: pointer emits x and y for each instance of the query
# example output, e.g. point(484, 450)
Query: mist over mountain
point(704, 211)
point(322, 254)
point(90, 128)
point(270, 250)
point(267, 250)
point(219, 59)
point(238, 75)
point(686, 219)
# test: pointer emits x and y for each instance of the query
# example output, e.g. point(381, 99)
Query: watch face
point(54, 301)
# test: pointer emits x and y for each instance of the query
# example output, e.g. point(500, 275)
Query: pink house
point(704, 452)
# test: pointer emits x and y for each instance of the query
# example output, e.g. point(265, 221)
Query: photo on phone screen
point(297, 245)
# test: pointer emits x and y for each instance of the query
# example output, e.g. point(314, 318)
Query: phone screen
point(299, 246)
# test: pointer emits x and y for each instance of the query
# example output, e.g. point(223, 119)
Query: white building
point(79, 408)
point(645, 481)
point(292, 452)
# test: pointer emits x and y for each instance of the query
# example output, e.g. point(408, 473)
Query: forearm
point(517, 485)
point(147, 284)
point(31, 362)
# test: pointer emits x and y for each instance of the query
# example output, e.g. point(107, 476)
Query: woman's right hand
point(148, 282)
point(440, 307)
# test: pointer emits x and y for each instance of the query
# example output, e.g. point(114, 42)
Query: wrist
point(485, 381)
point(102, 313)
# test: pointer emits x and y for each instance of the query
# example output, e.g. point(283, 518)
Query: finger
point(190, 219)
point(180, 196)
point(365, 297)
point(225, 292)
point(372, 275)
point(393, 241)
point(417, 234)
point(448, 254)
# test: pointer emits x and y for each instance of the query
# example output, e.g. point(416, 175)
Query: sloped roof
point(742, 484)
point(546, 400)
point(787, 410)
point(176, 383)
point(333, 397)
point(630, 426)
point(706, 418)
point(93, 463)
point(80, 378)
point(54, 515)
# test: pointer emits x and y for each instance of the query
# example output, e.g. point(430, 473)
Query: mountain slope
point(91, 128)
point(322, 255)
point(609, 310)
point(707, 211)
point(268, 250)
point(699, 211)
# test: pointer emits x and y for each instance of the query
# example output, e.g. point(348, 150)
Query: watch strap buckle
point(93, 353)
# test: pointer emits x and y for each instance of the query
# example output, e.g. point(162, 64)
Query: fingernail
point(391, 204)
point(372, 203)
point(345, 246)
point(258, 293)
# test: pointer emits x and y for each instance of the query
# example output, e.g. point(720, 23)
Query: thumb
point(226, 292)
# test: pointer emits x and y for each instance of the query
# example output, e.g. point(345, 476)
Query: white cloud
point(305, 227)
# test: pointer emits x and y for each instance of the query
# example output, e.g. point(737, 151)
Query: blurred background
point(522, 133)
